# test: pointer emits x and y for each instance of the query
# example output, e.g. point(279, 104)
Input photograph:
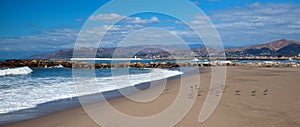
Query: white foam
point(58, 66)
point(29, 92)
point(16, 71)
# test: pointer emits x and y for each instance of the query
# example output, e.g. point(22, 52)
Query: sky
point(30, 27)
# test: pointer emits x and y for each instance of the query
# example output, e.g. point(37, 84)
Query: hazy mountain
point(279, 47)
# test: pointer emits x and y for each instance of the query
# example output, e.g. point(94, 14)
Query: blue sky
point(41, 26)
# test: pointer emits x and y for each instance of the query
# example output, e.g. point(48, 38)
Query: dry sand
point(279, 108)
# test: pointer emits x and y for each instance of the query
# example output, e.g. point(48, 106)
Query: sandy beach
point(275, 102)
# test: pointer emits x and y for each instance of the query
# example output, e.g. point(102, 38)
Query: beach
point(275, 102)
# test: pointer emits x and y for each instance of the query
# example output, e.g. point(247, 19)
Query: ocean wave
point(15, 71)
point(31, 92)
point(58, 66)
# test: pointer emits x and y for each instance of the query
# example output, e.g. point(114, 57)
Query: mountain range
point(281, 47)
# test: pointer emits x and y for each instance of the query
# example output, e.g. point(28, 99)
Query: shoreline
point(278, 108)
point(110, 96)
point(69, 103)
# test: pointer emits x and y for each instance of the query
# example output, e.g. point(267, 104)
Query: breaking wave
point(15, 71)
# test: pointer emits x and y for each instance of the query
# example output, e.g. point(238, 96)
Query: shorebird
point(165, 91)
point(199, 94)
point(197, 89)
point(191, 95)
point(192, 88)
point(222, 87)
point(265, 91)
point(237, 92)
point(217, 93)
point(253, 92)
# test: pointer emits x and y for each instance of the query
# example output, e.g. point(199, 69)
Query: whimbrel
point(222, 87)
point(265, 91)
point(253, 92)
point(237, 92)
point(211, 91)
point(199, 94)
point(217, 93)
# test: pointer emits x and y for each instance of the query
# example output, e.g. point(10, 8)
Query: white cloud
point(107, 17)
point(112, 34)
point(54, 40)
point(41, 41)
point(138, 20)
point(239, 26)
point(130, 20)
point(258, 23)
point(78, 19)
point(154, 19)
point(178, 22)
point(249, 24)
point(158, 36)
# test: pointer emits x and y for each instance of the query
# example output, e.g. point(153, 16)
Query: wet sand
point(239, 105)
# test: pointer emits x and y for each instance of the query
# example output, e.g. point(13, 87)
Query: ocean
point(27, 93)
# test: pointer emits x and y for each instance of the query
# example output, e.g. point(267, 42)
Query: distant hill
point(62, 54)
point(121, 52)
point(281, 47)
point(274, 46)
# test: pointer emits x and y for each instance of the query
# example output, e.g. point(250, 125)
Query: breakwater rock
point(34, 63)
point(86, 65)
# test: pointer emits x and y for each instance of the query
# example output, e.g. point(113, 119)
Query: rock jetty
point(86, 65)
point(34, 63)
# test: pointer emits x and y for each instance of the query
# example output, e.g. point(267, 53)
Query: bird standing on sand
point(223, 88)
point(217, 93)
point(253, 92)
point(191, 95)
point(199, 94)
point(237, 92)
point(265, 91)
